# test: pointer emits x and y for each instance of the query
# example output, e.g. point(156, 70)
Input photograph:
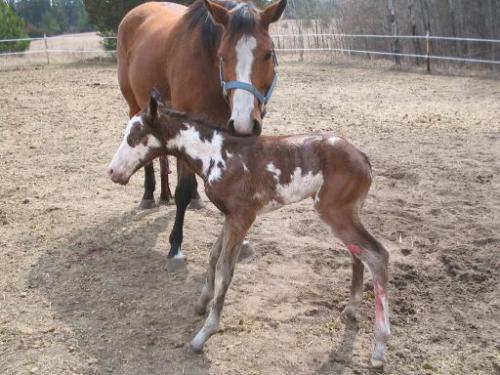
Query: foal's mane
point(244, 20)
point(198, 120)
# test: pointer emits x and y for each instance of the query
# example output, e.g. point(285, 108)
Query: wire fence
point(77, 47)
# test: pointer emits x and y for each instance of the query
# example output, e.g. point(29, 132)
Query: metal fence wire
point(90, 44)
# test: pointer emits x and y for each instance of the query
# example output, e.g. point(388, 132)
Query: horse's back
point(143, 37)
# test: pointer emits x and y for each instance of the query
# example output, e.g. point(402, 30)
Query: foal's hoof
point(176, 264)
point(147, 204)
point(195, 348)
point(377, 364)
point(196, 204)
point(246, 251)
point(350, 312)
point(199, 309)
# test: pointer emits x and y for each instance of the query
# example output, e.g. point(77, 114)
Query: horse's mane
point(198, 120)
point(243, 21)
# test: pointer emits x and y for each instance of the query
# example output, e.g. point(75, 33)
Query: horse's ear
point(273, 12)
point(154, 99)
point(218, 12)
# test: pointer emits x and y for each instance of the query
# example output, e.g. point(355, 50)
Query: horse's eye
point(268, 55)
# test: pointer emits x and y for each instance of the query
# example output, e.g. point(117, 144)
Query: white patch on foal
point(300, 186)
point(243, 101)
point(208, 152)
point(274, 171)
point(127, 158)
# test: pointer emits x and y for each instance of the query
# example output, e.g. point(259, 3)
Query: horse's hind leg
point(356, 288)
point(366, 250)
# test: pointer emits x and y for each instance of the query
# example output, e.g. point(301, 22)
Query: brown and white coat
point(245, 177)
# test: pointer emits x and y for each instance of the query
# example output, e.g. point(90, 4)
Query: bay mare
point(323, 167)
point(188, 54)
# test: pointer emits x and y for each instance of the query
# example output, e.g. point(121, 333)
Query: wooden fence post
point(46, 48)
point(428, 51)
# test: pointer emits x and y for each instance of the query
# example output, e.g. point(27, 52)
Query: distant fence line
point(286, 43)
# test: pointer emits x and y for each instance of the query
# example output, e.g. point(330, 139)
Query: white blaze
point(127, 158)
point(243, 101)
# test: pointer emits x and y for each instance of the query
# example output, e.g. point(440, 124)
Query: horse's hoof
point(246, 251)
point(147, 204)
point(199, 309)
point(196, 204)
point(165, 202)
point(377, 364)
point(176, 264)
point(350, 312)
point(197, 349)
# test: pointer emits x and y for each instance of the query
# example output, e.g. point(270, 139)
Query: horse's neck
point(200, 148)
point(198, 91)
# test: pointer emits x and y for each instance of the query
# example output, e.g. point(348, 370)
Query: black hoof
point(196, 204)
point(147, 204)
point(246, 252)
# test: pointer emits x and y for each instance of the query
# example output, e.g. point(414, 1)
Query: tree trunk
point(413, 28)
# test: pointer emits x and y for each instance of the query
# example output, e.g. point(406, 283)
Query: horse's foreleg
point(166, 194)
point(234, 233)
point(207, 292)
point(148, 199)
point(186, 185)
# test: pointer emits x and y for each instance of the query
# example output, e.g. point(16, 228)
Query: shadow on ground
point(127, 314)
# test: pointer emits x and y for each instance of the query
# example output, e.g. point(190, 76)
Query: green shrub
point(11, 27)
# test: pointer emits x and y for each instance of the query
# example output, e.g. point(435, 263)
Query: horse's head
point(142, 142)
point(247, 61)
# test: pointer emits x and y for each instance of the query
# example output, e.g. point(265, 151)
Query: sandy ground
point(83, 285)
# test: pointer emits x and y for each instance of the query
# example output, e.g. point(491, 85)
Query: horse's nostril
point(257, 127)
point(230, 126)
point(110, 171)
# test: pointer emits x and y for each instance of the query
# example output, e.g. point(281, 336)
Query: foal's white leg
point(231, 244)
point(207, 292)
point(377, 263)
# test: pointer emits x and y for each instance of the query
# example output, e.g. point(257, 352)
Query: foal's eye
point(268, 55)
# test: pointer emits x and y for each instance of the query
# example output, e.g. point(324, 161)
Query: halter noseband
point(233, 85)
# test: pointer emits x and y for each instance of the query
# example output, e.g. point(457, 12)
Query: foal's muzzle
point(256, 130)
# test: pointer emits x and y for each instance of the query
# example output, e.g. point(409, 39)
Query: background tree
point(52, 16)
point(11, 27)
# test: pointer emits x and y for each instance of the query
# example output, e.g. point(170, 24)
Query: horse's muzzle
point(256, 130)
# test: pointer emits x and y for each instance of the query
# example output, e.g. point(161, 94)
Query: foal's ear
point(273, 12)
point(152, 111)
point(218, 12)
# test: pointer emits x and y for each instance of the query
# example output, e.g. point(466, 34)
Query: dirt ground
point(83, 285)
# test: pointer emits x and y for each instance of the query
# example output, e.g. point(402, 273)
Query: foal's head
point(142, 142)
point(247, 60)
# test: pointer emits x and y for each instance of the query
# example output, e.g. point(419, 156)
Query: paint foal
point(214, 59)
point(289, 169)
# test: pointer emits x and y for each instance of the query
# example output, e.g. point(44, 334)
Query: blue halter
point(233, 85)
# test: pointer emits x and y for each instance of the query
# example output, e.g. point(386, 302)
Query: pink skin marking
point(354, 249)
point(380, 313)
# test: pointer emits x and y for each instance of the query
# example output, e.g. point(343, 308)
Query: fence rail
point(286, 43)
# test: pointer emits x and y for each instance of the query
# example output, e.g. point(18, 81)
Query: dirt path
point(83, 288)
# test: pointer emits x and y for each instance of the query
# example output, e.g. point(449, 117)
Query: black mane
point(195, 120)
point(244, 20)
